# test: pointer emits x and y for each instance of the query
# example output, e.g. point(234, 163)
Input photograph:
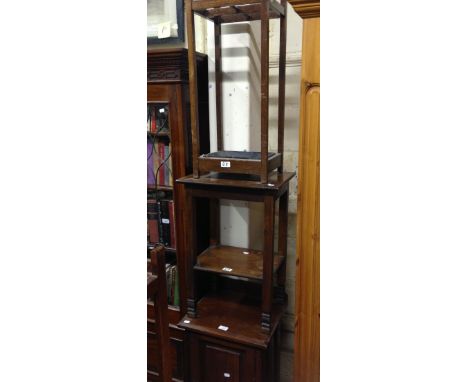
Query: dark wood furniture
point(229, 11)
point(248, 264)
point(159, 362)
point(167, 85)
point(235, 296)
point(227, 345)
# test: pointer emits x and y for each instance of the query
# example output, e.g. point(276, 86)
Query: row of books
point(172, 280)
point(157, 118)
point(161, 224)
point(159, 163)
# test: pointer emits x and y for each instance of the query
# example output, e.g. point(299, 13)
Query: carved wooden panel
point(169, 65)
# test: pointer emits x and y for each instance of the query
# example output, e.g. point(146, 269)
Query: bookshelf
point(168, 158)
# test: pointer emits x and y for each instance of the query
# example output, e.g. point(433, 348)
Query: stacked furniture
point(235, 296)
point(169, 137)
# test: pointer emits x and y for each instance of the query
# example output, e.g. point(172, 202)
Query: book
point(152, 217)
point(167, 171)
point(165, 223)
point(176, 300)
point(161, 153)
point(148, 119)
point(150, 163)
point(153, 119)
point(172, 223)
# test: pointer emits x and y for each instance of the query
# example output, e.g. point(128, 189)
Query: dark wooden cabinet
point(167, 95)
point(215, 360)
point(227, 343)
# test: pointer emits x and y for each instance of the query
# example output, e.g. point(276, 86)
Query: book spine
point(150, 167)
point(148, 118)
point(161, 177)
point(167, 172)
point(153, 120)
point(160, 225)
point(176, 287)
point(165, 223)
point(171, 175)
point(152, 221)
point(172, 223)
point(172, 284)
point(168, 284)
point(155, 161)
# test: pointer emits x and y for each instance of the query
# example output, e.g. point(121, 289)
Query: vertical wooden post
point(282, 81)
point(219, 83)
point(268, 248)
point(192, 61)
point(265, 53)
point(191, 249)
point(214, 222)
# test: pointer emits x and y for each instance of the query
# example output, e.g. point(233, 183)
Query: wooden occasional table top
point(275, 182)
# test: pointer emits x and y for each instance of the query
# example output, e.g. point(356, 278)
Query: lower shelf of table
point(232, 317)
point(234, 261)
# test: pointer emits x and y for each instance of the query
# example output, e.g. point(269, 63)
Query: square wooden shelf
point(248, 183)
point(233, 11)
point(234, 261)
point(236, 312)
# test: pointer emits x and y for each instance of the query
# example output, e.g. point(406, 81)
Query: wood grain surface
point(307, 338)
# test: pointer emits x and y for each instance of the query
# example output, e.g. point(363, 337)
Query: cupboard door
point(214, 360)
point(221, 364)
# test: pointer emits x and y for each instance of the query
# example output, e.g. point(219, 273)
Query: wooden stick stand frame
point(229, 11)
point(241, 262)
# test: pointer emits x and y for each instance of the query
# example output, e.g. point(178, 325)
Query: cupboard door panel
point(221, 364)
point(178, 358)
